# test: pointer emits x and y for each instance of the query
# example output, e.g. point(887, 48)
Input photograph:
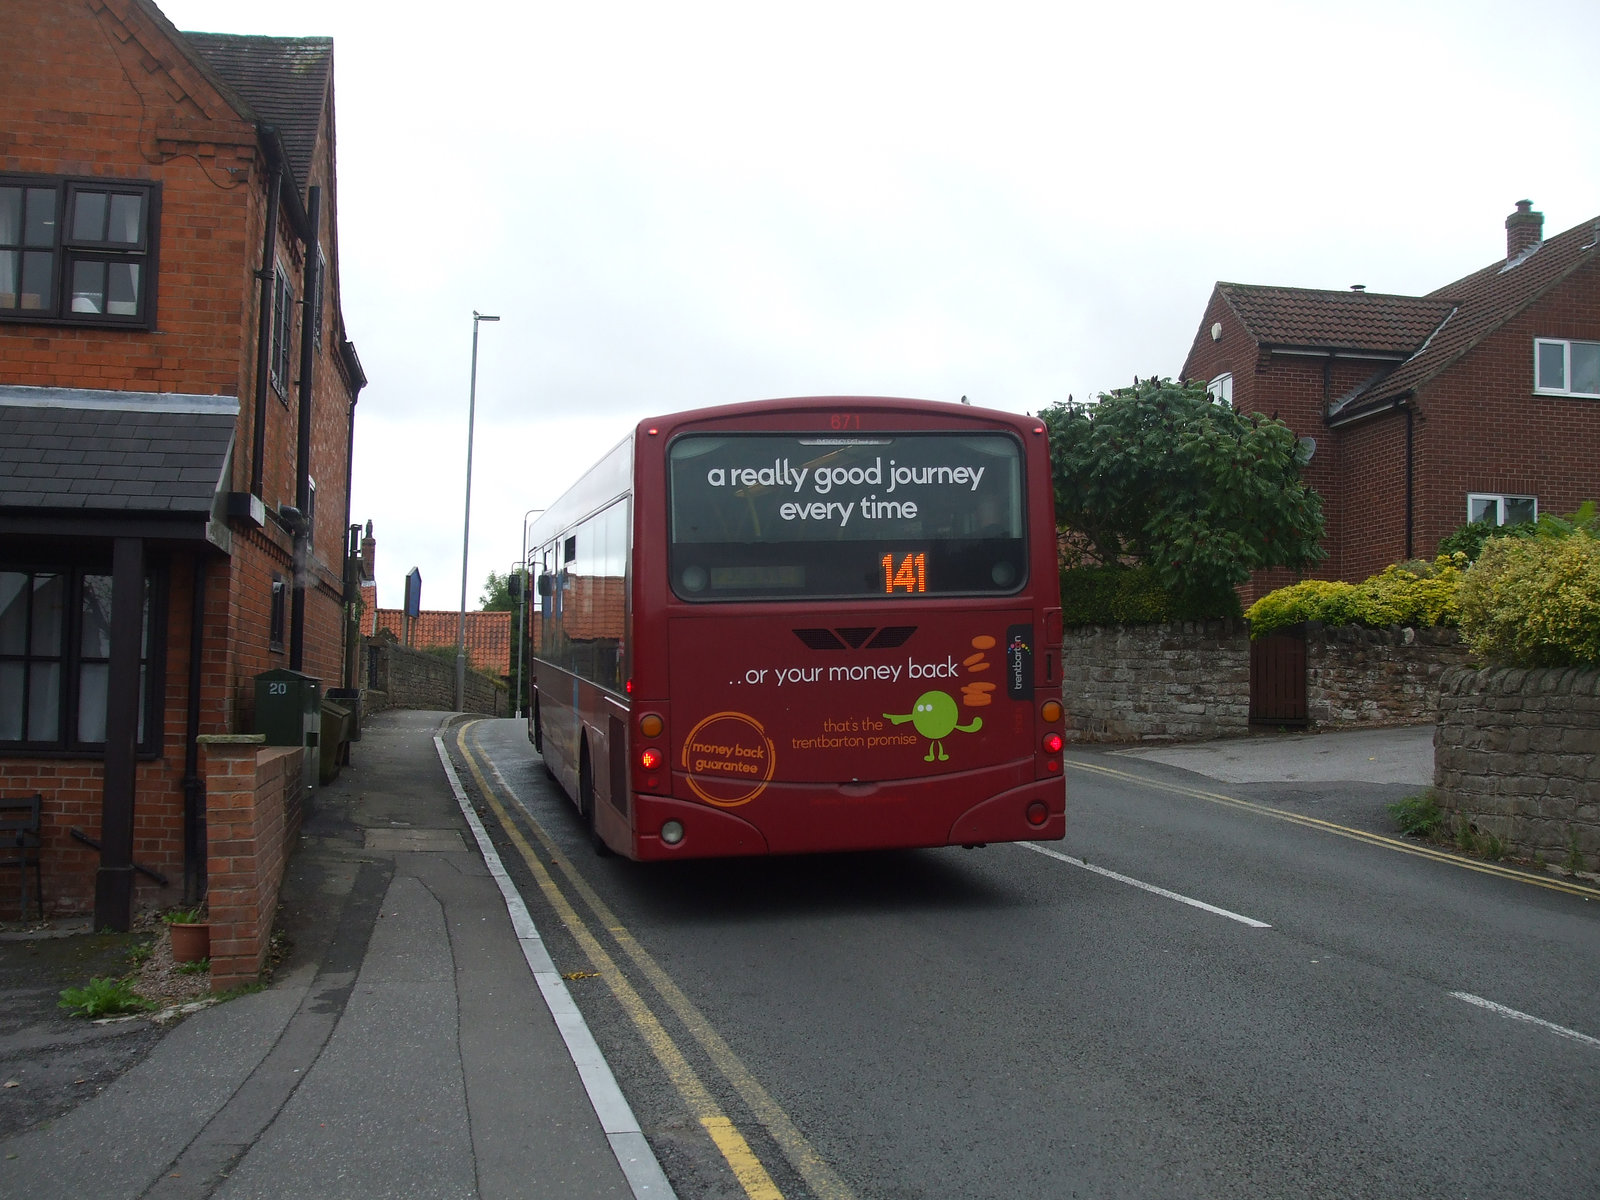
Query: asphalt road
point(1211, 988)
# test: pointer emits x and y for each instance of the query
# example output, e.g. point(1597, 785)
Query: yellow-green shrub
point(1535, 602)
point(1413, 593)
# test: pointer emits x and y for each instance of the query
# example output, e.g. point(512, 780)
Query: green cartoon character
point(935, 718)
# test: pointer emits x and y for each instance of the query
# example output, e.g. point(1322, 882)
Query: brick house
point(1478, 400)
point(177, 402)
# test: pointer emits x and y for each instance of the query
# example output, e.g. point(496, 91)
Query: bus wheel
point(586, 801)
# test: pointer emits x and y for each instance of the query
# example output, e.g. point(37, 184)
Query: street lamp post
point(522, 616)
point(466, 520)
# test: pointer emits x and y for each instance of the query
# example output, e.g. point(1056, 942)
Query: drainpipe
point(1411, 479)
point(194, 788)
point(309, 282)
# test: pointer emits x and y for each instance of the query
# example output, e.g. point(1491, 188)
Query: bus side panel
point(559, 718)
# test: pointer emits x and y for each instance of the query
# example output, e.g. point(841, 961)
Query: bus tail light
point(651, 725)
point(1037, 813)
point(649, 758)
point(1052, 743)
point(672, 831)
point(1051, 711)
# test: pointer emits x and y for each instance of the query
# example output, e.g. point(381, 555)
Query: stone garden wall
point(1517, 755)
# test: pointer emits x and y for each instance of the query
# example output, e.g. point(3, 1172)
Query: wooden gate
point(1278, 677)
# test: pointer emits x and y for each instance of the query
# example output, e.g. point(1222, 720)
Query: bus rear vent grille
point(855, 637)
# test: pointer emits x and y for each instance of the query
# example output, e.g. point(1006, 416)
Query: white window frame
point(1496, 504)
point(1564, 388)
point(1220, 389)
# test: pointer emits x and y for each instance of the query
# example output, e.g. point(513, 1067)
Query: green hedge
point(1535, 602)
point(1118, 595)
point(1411, 593)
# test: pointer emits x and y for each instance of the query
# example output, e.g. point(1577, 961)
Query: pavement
point(416, 1040)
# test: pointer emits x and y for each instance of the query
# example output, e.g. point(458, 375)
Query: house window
point(55, 660)
point(1566, 368)
point(77, 251)
point(1220, 389)
point(282, 326)
point(1501, 510)
point(280, 609)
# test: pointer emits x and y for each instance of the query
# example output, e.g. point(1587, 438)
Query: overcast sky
point(674, 205)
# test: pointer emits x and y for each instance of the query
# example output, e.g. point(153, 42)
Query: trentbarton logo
point(728, 759)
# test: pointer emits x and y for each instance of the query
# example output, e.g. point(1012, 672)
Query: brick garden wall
point(1517, 755)
point(254, 805)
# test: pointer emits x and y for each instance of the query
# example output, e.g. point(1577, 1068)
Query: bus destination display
point(770, 516)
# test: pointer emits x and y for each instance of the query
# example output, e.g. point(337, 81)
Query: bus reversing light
point(672, 832)
point(1051, 711)
point(650, 758)
point(1052, 743)
point(1037, 813)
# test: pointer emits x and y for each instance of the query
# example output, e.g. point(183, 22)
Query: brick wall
point(1515, 756)
point(1481, 428)
point(254, 804)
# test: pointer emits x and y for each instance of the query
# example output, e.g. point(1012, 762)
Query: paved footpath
point(405, 1048)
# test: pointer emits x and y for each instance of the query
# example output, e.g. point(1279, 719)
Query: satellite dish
point(1307, 447)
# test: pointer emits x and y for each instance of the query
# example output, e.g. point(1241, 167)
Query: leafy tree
point(499, 596)
point(1163, 475)
point(497, 593)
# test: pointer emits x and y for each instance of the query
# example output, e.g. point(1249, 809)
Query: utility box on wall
point(289, 713)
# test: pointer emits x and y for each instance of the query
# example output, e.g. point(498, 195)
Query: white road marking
point(1513, 1014)
point(1149, 887)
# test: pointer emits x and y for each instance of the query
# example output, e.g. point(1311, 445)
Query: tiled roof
point(1484, 301)
point(488, 634)
point(81, 452)
point(284, 79)
point(1308, 318)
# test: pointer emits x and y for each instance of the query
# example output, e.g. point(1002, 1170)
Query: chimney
point(1524, 230)
point(369, 551)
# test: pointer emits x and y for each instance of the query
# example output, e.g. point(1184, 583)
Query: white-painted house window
point(1501, 510)
point(1566, 368)
point(1221, 388)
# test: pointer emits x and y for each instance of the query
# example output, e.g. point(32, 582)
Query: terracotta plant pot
point(190, 943)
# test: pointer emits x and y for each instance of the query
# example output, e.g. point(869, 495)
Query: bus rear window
point(763, 516)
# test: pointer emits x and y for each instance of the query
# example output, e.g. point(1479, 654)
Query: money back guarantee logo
point(728, 759)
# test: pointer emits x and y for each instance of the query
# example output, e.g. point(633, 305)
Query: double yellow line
point(1419, 849)
point(823, 1182)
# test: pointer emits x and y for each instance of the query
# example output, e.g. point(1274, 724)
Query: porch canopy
point(81, 468)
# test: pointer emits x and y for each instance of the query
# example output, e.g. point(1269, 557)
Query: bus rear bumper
point(706, 832)
point(1014, 816)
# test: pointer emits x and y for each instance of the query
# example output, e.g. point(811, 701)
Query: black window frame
point(72, 658)
point(282, 331)
point(67, 251)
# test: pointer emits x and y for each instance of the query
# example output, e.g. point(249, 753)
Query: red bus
point(805, 625)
